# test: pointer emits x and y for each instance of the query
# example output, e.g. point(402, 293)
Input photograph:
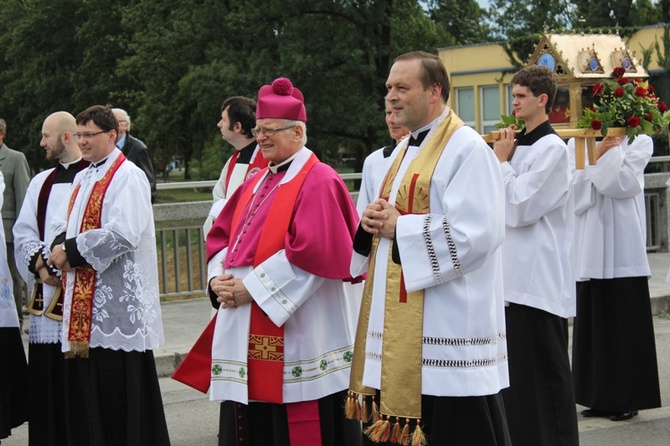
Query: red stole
point(83, 291)
point(195, 369)
point(266, 340)
point(255, 165)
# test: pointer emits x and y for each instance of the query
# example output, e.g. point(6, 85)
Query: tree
point(36, 74)
point(517, 18)
point(462, 21)
point(611, 13)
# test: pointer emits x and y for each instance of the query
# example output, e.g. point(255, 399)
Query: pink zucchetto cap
point(281, 100)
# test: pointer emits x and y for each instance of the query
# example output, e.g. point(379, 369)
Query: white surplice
point(126, 304)
point(610, 225)
point(453, 254)
point(539, 214)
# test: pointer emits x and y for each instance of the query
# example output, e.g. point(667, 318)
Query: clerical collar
point(246, 152)
point(418, 135)
point(99, 163)
point(284, 165)
point(417, 138)
point(539, 132)
point(72, 163)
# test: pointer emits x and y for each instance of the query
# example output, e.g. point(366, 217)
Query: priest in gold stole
point(430, 356)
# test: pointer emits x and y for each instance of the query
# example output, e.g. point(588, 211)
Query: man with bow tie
point(430, 356)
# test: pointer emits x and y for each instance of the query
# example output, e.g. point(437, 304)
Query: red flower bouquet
point(625, 102)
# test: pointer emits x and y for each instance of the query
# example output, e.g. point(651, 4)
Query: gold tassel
point(379, 431)
point(375, 410)
point(366, 410)
point(386, 429)
point(395, 431)
point(418, 437)
point(77, 350)
point(372, 431)
point(350, 406)
point(404, 439)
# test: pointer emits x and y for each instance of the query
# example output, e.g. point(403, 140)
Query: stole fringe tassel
point(418, 437)
point(351, 407)
point(366, 410)
point(404, 435)
point(395, 432)
point(77, 350)
point(381, 431)
point(375, 410)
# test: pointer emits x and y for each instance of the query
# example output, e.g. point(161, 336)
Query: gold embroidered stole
point(81, 307)
point(400, 392)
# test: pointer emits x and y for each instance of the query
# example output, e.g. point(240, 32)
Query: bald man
point(134, 149)
point(45, 194)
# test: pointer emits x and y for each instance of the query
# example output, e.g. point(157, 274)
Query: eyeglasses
point(89, 135)
point(267, 131)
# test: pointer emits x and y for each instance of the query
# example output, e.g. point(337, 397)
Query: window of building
point(465, 105)
point(490, 107)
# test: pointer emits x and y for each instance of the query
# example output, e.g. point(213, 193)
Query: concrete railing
point(181, 252)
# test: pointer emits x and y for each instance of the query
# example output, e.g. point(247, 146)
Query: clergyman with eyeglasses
point(279, 267)
point(105, 244)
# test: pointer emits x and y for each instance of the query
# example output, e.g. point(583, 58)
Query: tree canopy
point(171, 63)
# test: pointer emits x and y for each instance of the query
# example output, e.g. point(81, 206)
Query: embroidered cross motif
point(267, 348)
point(217, 369)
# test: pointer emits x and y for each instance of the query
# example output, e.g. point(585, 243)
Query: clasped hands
point(57, 259)
point(230, 292)
point(380, 217)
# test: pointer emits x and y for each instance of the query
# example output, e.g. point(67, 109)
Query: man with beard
point(32, 236)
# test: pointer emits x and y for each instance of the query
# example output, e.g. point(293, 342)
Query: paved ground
point(187, 409)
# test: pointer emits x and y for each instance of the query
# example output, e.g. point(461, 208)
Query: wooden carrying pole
point(584, 138)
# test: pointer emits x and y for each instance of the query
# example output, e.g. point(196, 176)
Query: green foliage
point(460, 20)
point(518, 18)
point(506, 121)
point(612, 13)
point(663, 55)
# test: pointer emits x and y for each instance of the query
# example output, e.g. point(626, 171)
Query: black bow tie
point(418, 140)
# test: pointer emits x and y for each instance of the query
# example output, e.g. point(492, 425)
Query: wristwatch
point(62, 246)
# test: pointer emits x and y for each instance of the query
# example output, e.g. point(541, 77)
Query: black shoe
point(623, 416)
point(597, 413)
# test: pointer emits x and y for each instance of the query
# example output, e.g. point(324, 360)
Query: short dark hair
point(432, 71)
point(101, 116)
point(243, 110)
point(539, 80)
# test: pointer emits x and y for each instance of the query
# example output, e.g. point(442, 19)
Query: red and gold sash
point(266, 340)
point(83, 291)
point(400, 392)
